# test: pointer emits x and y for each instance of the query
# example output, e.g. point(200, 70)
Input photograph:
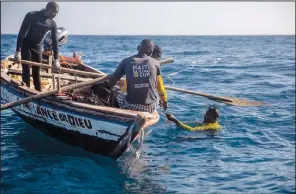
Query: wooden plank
point(61, 62)
point(50, 61)
point(53, 81)
point(63, 70)
point(59, 85)
point(52, 92)
point(48, 75)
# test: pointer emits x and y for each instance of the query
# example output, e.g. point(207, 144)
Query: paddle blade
point(226, 100)
point(240, 102)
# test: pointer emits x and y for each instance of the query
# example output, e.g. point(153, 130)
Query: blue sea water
point(254, 152)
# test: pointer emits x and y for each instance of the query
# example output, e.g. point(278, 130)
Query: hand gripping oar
point(45, 94)
point(226, 100)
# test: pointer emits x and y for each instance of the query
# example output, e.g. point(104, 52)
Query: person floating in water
point(210, 121)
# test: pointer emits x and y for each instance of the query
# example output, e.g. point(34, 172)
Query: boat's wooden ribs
point(49, 75)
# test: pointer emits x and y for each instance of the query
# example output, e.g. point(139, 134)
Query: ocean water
point(254, 152)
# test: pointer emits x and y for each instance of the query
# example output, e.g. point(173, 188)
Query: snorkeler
point(210, 120)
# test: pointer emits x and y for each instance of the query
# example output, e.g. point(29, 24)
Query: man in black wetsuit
point(29, 41)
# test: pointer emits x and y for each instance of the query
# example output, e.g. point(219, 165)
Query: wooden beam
point(52, 92)
point(59, 85)
point(53, 81)
point(48, 75)
point(50, 61)
point(63, 70)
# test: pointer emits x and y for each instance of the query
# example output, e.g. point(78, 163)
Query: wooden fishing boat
point(98, 128)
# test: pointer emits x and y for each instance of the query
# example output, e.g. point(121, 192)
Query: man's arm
point(209, 126)
point(23, 32)
point(118, 73)
point(54, 37)
point(160, 87)
point(187, 127)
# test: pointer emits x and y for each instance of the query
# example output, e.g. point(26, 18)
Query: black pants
point(32, 53)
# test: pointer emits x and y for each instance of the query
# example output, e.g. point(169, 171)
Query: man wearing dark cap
point(29, 41)
point(143, 79)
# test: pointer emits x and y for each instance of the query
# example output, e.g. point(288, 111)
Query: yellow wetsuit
point(209, 126)
point(161, 89)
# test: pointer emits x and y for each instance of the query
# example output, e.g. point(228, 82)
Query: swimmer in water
point(210, 121)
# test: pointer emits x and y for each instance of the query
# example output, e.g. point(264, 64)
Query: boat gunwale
point(119, 114)
point(142, 120)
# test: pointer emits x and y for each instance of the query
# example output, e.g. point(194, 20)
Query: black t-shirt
point(34, 27)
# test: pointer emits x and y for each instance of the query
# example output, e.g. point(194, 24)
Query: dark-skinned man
point(144, 81)
point(29, 41)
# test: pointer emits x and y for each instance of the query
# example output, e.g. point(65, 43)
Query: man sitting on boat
point(143, 79)
point(157, 54)
point(29, 41)
point(210, 121)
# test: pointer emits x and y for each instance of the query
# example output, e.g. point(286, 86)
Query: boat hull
point(90, 143)
point(105, 131)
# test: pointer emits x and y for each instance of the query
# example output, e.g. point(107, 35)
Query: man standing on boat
point(143, 79)
point(29, 41)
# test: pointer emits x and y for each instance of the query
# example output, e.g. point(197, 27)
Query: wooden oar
point(63, 70)
point(162, 62)
point(49, 75)
point(45, 94)
point(226, 100)
point(67, 70)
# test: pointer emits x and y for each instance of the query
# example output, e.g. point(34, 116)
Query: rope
point(67, 65)
point(175, 73)
point(63, 60)
point(136, 151)
point(141, 134)
point(186, 69)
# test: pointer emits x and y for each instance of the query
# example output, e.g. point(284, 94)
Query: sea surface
point(254, 152)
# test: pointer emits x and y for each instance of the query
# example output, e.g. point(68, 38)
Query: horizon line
point(172, 35)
